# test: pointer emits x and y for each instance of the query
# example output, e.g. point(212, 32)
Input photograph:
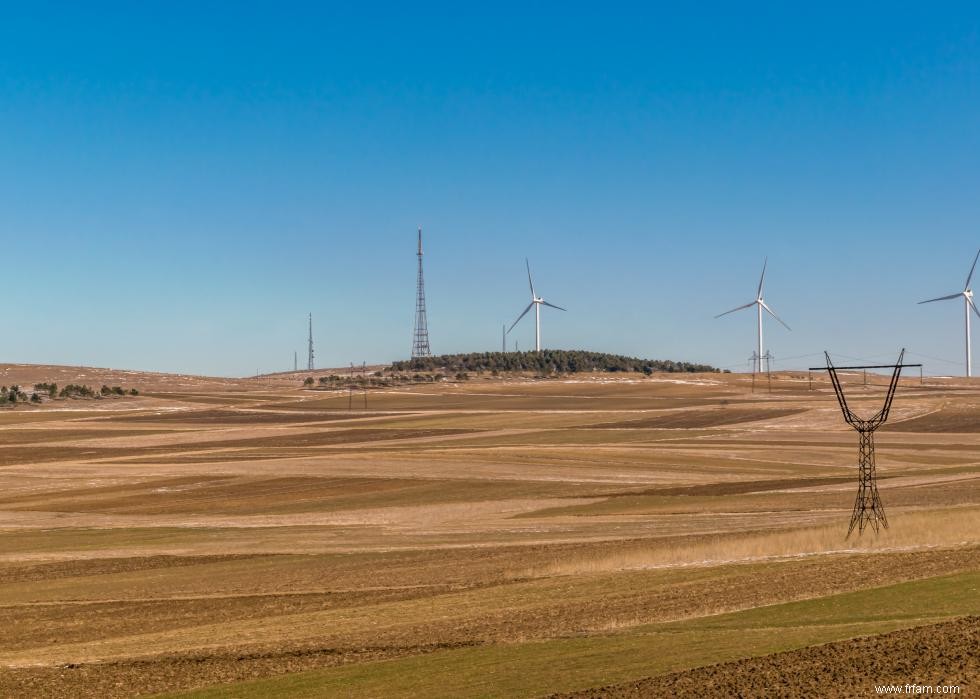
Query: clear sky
point(181, 183)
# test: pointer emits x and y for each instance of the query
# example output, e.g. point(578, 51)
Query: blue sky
point(180, 183)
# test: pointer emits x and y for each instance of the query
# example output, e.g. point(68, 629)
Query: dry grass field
point(594, 536)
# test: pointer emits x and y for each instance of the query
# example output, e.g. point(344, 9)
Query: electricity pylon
point(868, 509)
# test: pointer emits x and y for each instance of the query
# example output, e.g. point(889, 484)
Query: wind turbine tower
point(968, 304)
point(309, 344)
point(536, 302)
point(420, 338)
point(761, 305)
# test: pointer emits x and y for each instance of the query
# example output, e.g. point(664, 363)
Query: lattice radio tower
point(420, 338)
point(867, 506)
point(309, 359)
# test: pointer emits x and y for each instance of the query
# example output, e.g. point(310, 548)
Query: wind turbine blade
point(970, 275)
point(529, 282)
point(772, 313)
point(529, 306)
point(943, 298)
point(545, 303)
point(973, 306)
point(762, 279)
point(748, 305)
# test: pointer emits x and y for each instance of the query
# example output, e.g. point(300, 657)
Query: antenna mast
point(420, 338)
point(309, 361)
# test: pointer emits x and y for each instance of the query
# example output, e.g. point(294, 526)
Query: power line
point(935, 359)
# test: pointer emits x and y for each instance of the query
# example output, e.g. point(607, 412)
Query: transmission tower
point(761, 364)
point(362, 370)
point(867, 506)
point(420, 338)
point(309, 360)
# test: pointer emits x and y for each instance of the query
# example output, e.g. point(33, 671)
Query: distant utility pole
point(309, 361)
point(420, 337)
point(295, 361)
point(363, 380)
point(504, 336)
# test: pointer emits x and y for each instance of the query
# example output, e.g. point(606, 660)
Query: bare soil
point(946, 654)
point(220, 530)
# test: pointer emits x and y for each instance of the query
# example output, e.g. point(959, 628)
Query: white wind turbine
point(968, 303)
point(536, 303)
point(761, 304)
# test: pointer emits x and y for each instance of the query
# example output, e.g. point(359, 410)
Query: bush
point(308, 381)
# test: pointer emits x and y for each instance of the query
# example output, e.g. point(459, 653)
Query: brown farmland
point(589, 536)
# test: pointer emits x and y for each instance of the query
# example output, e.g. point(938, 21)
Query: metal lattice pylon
point(420, 338)
point(868, 510)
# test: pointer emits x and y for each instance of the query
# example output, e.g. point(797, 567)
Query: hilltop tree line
point(545, 362)
point(70, 391)
point(378, 379)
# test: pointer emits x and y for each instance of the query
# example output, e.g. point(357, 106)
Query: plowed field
point(670, 535)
